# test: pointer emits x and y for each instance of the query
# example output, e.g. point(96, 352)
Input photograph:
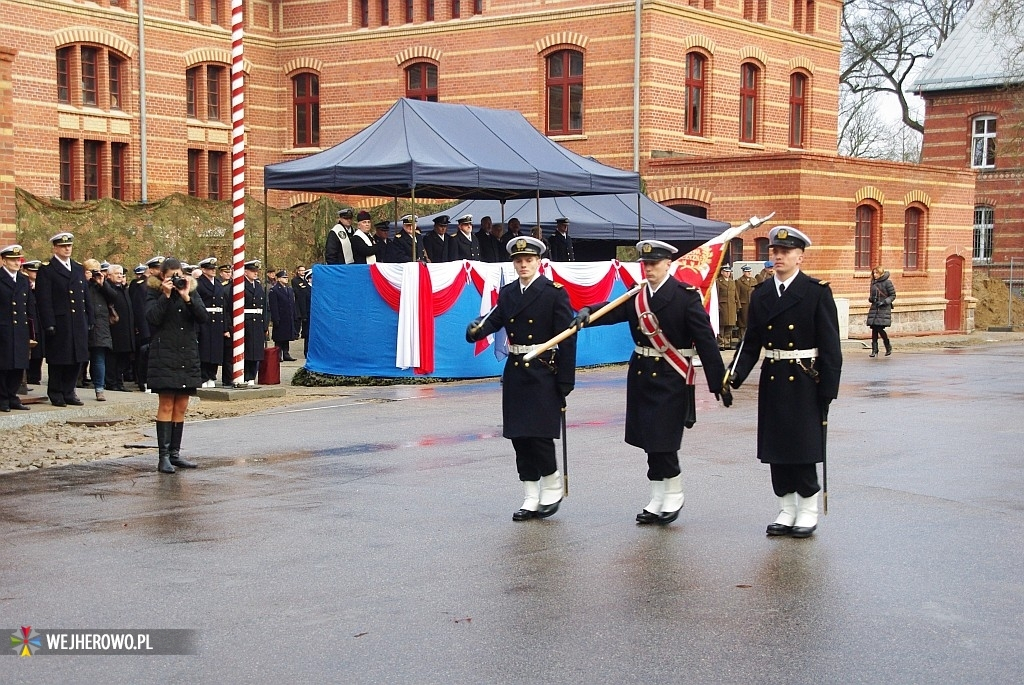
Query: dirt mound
point(993, 299)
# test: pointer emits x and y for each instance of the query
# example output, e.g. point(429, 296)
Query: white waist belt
point(792, 354)
point(252, 311)
point(524, 349)
point(215, 310)
point(651, 352)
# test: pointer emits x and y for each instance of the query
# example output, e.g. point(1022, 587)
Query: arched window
point(695, 63)
point(306, 108)
point(761, 249)
point(564, 86)
point(983, 143)
point(984, 227)
point(735, 250)
point(749, 75)
point(421, 82)
point(797, 109)
point(913, 220)
point(864, 237)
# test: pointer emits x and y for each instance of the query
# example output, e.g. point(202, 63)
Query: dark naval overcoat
point(657, 400)
point(255, 320)
point(16, 303)
point(531, 403)
point(216, 299)
point(790, 400)
point(64, 304)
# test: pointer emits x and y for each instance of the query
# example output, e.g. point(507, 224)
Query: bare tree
point(865, 133)
point(885, 42)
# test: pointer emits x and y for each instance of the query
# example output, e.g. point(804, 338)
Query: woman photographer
point(173, 314)
point(880, 315)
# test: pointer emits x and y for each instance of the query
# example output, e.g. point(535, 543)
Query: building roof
point(971, 57)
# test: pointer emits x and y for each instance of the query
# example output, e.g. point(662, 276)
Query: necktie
point(782, 289)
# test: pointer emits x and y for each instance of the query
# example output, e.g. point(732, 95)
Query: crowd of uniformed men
point(89, 325)
point(355, 239)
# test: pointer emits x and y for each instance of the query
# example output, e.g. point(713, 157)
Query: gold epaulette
point(557, 285)
point(822, 282)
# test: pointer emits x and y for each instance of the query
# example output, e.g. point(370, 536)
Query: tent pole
point(538, 210)
point(639, 221)
point(415, 228)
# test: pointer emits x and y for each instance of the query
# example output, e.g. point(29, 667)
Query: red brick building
point(736, 115)
point(973, 121)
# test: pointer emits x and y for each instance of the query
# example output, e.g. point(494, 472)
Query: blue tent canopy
point(594, 217)
point(439, 150)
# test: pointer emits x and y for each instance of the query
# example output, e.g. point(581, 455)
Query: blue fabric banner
point(353, 332)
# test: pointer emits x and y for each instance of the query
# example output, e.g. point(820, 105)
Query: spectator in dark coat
point(365, 250)
point(406, 243)
point(437, 243)
point(255, 321)
point(16, 301)
point(34, 374)
point(561, 243)
point(212, 333)
point(882, 295)
point(464, 244)
point(302, 292)
point(174, 313)
point(491, 249)
point(65, 313)
point(100, 342)
point(282, 316)
point(122, 332)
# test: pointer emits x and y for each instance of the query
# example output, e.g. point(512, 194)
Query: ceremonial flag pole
point(237, 194)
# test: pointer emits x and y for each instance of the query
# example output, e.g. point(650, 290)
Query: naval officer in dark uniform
point(65, 313)
point(561, 243)
point(465, 244)
point(16, 305)
point(659, 401)
point(793, 319)
point(255, 321)
point(212, 333)
point(532, 310)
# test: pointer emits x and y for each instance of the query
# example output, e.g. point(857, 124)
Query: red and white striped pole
point(237, 194)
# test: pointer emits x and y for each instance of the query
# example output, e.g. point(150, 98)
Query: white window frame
point(984, 226)
point(983, 142)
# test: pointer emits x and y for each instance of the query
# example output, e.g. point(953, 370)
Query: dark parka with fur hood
point(174, 348)
point(883, 293)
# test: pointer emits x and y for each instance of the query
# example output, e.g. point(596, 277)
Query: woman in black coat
point(880, 315)
point(173, 312)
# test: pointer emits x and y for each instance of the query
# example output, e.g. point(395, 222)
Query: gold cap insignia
point(783, 233)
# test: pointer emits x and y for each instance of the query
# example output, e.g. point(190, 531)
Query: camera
point(178, 282)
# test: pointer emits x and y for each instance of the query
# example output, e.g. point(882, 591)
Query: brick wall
point(7, 183)
point(947, 141)
point(819, 195)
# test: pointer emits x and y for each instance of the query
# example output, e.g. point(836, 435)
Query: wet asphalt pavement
point(368, 539)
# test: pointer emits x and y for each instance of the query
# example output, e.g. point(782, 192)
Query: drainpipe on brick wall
point(636, 85)
point(143, 181)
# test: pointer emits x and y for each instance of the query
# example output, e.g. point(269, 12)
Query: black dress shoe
point(18, 405)
point(289, 359)
point(4, 408)
point(667, 517)
point(75, 400)
point(645, 517)
point(802, 531)
point(545, 510)
point(778, 529)
point(523, 515)
point(57, 401)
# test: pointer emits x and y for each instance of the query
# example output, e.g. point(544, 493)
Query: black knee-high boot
point(163, 443)
point(176, 430)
